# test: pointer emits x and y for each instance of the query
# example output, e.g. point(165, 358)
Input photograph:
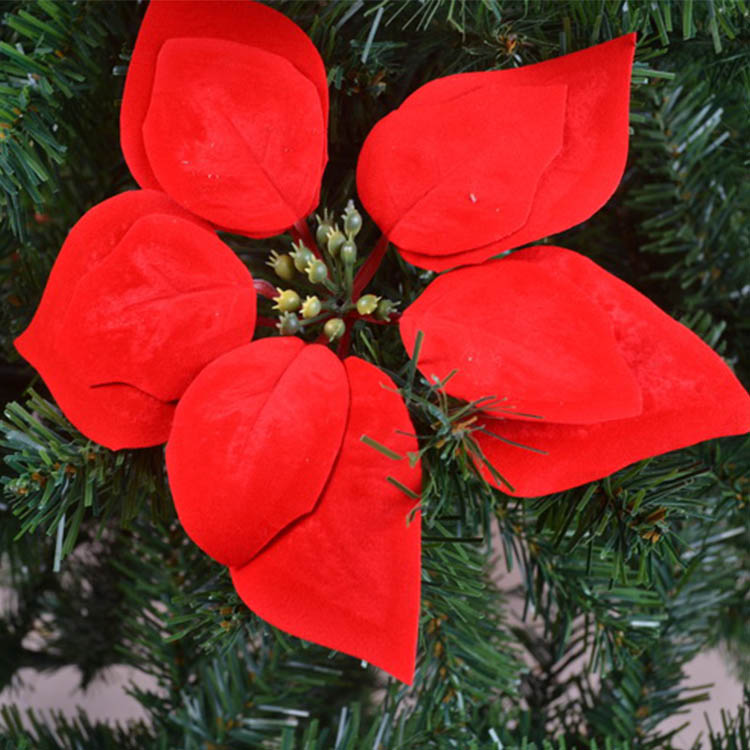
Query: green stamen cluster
point(329, 272)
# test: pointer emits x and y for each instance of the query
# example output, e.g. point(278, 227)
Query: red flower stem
point(301, 231)
point(343, 348)
point(269, 322)
point(265, 288)
point(369, 267)
point(392, 318)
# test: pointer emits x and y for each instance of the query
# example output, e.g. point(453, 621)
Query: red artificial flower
point(225, 111)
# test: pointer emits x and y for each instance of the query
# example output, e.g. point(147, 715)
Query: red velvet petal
point(689, 394)
point(239, 142)
point(578, 181)
point(254, 439)
point(437, 176)
point(170, 299)
point(347, 576)
point(242, 21)
point(116, 416)
point(526, 337)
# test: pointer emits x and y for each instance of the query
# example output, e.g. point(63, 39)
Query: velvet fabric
point(254, 439)
point(246, 148)
point(445, 174)
point(526, 340)
point(169, 299)
point(225, 108)
point(114, 414)
point(688, 393)
point(577, 181)
point(317, 548)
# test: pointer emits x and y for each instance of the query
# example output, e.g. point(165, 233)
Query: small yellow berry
point(287, 300)
point(368, 304)
point(311, 307)
point(334, 328)
point(317, 271)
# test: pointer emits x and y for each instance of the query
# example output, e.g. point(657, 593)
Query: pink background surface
point(107, 699)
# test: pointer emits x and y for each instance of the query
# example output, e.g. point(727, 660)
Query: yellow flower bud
point(348, 252)
point(317, 271)
point(352, 220)
point(287, 300)
point(385, 309)
point(321, 234)
point(334, 328)
point(283, 265)
point(334, 240)
point(302, 257)
point(325, 225)
point(368, 304)
point(311, 307)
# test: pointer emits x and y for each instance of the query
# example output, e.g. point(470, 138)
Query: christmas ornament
point(270, 454)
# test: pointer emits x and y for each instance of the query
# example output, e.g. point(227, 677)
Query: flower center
point(324, 280)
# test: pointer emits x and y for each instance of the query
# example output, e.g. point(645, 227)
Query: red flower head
point(144, 329)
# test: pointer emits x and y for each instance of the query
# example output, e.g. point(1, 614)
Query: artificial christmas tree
point(142, 335)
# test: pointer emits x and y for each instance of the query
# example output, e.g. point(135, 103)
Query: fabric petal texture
point(579, 179)
point(116, 415)
point(254, 439)
point(240, 21)
point(239, 141)
point(689, 393)
point(456, 173)
point(166, 302)
point(531, 342)
point(347, 575)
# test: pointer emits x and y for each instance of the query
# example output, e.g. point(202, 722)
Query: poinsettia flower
point(141, 297)
point(271, 478)
point(225, 109)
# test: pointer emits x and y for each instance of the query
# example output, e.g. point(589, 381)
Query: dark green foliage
point(51, 61)
point(622, 581)
point(60, 477)
point(59, 731)
point(734, 734)
point(59, 108)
